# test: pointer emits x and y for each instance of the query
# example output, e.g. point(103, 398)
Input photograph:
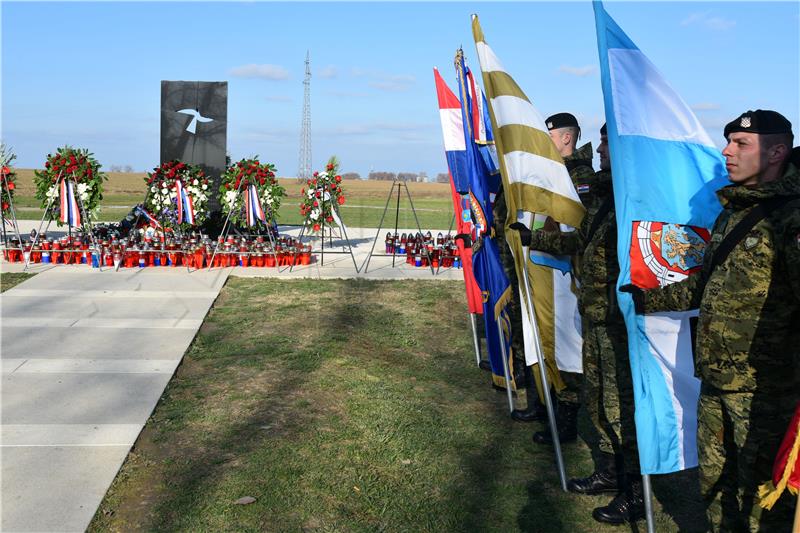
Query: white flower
point(164, 191)
point(314, 214)
point(153, 189)
point(52, 192)
point(205, 186)
point(310, 193)
point(84, 196)
point(82, 188)
point(195, 182)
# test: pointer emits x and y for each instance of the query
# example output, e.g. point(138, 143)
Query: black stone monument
point(194, 128)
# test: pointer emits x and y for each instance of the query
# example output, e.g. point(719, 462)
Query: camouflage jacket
point(579, 166)
point(599, 267)
point(748, 334)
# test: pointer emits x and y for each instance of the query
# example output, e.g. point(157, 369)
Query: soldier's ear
point(777, 153)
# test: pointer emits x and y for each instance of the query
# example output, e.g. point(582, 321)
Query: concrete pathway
point(86, 355)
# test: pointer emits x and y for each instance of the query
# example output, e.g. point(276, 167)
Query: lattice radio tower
point(304, 164)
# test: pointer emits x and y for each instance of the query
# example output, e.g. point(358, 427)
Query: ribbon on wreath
point(70, 214)
point(253, 208)
point(185, 205)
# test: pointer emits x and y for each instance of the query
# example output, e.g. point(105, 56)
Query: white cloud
point(383, 81)
point(328, 72)
point(267, 72)
point(581, 72)
point(705, 106)
point(711, 22)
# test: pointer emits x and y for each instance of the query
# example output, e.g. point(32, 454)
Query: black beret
point(759, 121)
point(561, 120)
point(603, 130)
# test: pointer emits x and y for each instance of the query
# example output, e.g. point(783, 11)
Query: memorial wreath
point(249, 192)
point(78, 168)
point(178, 195)
point(7, 179)
point(323, 196)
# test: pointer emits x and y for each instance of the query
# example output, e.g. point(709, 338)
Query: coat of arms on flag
point(663, 253)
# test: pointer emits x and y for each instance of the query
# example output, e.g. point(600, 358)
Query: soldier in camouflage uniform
point(608, 384)
point(565, 132)
point(748, 334)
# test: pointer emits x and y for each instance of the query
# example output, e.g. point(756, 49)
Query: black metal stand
point(395, 184)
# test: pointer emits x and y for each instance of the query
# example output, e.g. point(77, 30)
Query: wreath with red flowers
point(78, 166)
point(162, 197)
point(7, 178)
point(239, 177)
point(324, 194)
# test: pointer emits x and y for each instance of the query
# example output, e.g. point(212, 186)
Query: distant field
point(364, 206)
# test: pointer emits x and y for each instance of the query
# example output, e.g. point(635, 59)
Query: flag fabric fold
point(456, 153)
point(665, 171)
point(536, 185)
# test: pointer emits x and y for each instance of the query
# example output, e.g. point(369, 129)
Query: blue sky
point(88, 73)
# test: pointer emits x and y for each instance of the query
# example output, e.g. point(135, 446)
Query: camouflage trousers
point(571, 393)
point(608, 389)
point(737, 439)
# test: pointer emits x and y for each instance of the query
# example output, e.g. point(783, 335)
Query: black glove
point(524, 232)
point(466, 237)
point(638, 297)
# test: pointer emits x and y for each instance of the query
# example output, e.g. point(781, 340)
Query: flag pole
point(475, 341)
point(41, 222)
point(548, 401)
point(506, 373)
point(648, 503)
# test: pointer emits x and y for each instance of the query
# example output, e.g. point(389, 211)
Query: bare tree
point(382, 176)
point(351, 176)
point(407, 176)
point(442, 177)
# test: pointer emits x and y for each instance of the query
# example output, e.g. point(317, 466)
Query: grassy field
point(348, 405)
point(364, 207)
point(10, 279)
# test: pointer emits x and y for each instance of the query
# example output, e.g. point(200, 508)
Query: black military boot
point(536, 411)
point(485, 365)
point(627, 506)
point(604, 480)
point(567, 421)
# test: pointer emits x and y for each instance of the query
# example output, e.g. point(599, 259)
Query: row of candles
point(193, 251)
point(424, 250)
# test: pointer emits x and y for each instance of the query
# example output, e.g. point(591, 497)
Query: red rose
point(11, 185)
point(5, 206)
point(340, 200)
point(318, 194)
point(338, 179)
point(228, 186)
point(316, 227)
point(329, 219)
point(6, 170)
point(316, 204)
point(316, 174)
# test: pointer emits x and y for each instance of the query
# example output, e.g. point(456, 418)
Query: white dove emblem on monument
point(196, 117)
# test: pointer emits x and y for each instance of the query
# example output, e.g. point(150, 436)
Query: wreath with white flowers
point(324, 192)
point(78, 166)
point(7, 179)
point(162, 199)
point(238, 178)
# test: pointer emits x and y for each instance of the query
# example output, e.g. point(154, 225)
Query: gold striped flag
point(536, 185)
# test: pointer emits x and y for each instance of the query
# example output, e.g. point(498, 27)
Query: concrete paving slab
point(80, 398)
point(62, 435)
point(73, 277)
point(89, 366)
point(104, 294)
point(32, 342)
point(55, 488)
point(17, 305)
point(99, 322)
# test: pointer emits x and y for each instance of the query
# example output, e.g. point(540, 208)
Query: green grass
point(10, 279)
point(347, 405)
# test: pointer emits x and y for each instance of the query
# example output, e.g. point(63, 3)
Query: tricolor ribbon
point(253, 208)
point(70, 214)
point(185, 205)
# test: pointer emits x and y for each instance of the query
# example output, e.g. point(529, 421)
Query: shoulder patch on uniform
point(583, 188)
point(751, 241)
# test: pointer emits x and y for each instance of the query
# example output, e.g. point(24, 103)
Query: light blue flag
point(665, 172)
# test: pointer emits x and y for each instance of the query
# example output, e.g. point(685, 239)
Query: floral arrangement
point(324, 194)
point(162, 200)
point(8, 178)
point(238, 178)
point(78, 166)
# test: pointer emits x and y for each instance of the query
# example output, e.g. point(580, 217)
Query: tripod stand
point(396, 184)
point(85, 221)
point(338, 221)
